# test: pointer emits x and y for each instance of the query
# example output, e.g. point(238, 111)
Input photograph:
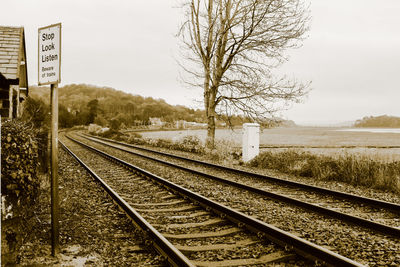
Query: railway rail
point(329, 206)
point(370, 201)
point(225, 228)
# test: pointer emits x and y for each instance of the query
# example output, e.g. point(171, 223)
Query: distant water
point(372, 130)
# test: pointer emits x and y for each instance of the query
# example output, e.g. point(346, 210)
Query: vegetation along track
point(374, 214)
point(361, 244)
point(208, 233)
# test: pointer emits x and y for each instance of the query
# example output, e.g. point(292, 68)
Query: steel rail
point(385, 229)
point(160, 243)
point(394, 207)
point(301, 246)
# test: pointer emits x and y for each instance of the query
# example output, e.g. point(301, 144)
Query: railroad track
point(361, 244)
point(369, 213)
point(190, 229)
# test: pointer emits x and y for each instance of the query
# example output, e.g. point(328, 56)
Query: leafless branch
point(231, 48)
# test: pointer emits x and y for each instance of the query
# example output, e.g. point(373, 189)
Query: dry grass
point(186, 143)
point(349, 168)
point(384, 155)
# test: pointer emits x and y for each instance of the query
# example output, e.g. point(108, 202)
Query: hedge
point(19, 160)
point(21, 145)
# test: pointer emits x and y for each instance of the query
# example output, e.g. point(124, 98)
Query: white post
point(251, 141)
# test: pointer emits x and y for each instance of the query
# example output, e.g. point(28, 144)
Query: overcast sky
point(352, 55)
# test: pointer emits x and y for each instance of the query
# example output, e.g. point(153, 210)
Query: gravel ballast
point(93, 231)
point(350, 241)
point(141, 193)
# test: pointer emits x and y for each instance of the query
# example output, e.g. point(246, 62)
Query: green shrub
point(19, 160)
point(187, 143)
point(165, 143)
point(190, 143)
point(36, 112)
point(79, 127)
point(20, 147)
point(224, 151)
point(135, 135)
point(135, 140)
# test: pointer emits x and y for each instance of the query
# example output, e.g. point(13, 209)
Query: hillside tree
point(36, 111)
point(92, 107)
point(230, 49)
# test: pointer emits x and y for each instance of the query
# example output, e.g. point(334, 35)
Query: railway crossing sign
point(49, 56)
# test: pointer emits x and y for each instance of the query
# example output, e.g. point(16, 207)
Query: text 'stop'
point(49, 54)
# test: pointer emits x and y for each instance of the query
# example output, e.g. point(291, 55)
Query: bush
point(224, 149)
point(166, 143)
point(20, 147)
point(109, 134)
point(79, 127)
point(114, 134)
point(136, 141)
point(36, 111)
point(135, 135)
point(187, 143)
point(190, 143)
point(19, 160)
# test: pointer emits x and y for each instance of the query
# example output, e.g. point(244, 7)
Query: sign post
point(49, 61)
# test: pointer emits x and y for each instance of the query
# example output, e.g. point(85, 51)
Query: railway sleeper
point(209, 222)
point(220, 233)
point(271, 258)
point(237, 244)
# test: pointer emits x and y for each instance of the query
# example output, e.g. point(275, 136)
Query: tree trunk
point(210, 142)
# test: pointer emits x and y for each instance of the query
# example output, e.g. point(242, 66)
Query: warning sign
point(49, 54)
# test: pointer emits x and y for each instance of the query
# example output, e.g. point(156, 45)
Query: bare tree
point(230, 48)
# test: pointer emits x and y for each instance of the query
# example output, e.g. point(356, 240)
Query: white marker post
point(49, 63)
point(251, 141)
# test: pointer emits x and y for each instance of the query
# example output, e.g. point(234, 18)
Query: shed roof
point(12, 53)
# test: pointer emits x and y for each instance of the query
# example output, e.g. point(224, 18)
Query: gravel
point(350, 241)
point(93, 231)
point(140, 194)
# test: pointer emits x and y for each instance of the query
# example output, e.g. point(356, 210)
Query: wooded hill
point(379, 121)
point(82, 104)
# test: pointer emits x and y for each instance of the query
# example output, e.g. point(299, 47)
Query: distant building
point(182, 124)
point(156, 122)
point(13, 71)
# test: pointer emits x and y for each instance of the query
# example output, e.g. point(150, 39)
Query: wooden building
point(13, 71)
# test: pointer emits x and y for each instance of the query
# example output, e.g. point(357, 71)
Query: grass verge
point(349, 168)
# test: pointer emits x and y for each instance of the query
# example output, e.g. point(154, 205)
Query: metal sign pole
point(55, 206)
